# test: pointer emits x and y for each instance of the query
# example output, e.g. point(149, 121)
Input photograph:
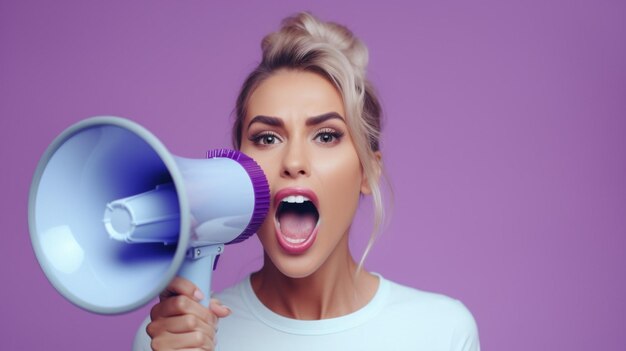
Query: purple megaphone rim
point(259, 184)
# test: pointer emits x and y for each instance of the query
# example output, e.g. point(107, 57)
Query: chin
point(303, 263)
point(296, 266)
point(292, 273)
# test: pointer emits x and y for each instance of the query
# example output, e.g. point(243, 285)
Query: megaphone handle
point(198, 268)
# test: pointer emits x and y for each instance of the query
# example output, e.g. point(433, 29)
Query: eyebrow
point(272, 121)
point(311, 121)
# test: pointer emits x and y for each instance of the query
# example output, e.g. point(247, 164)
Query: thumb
point(219, 309)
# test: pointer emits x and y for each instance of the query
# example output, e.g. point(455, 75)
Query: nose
point(295, 161)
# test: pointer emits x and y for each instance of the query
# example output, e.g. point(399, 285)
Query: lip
point(288, 247)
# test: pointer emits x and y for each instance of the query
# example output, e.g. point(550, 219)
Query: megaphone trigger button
point(217, 258)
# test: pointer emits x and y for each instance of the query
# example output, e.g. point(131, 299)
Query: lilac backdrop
point(504, 142)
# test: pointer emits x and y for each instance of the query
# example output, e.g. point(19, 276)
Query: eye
point(265, 138)
point(328, 136)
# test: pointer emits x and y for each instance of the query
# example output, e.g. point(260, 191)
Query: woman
point(311, 120)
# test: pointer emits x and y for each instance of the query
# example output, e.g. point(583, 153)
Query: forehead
point(294, 93)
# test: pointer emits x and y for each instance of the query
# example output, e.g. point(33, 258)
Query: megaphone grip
point(198, 268)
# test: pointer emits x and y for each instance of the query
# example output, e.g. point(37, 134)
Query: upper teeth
point(295, 199)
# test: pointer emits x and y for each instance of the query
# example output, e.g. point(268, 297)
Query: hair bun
point(303, 29)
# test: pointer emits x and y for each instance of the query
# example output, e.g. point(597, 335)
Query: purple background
point(504, 142)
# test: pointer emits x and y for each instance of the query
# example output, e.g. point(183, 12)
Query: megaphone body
point(114, 216)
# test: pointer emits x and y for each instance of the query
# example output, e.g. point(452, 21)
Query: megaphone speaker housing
point(89, 229)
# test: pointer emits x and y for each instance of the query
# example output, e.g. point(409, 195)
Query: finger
point(181, 286)
point(219, 309)
point(181, 305)
point(193, 340)
point(180, 325)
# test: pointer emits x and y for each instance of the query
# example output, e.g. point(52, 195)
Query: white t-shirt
point(397, 318)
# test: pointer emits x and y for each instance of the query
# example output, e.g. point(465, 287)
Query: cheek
point(266, 230)
point(267, 160)
point(340, 178)
point(339, 167)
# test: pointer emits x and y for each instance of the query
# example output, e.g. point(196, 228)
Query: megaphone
point(113, 216)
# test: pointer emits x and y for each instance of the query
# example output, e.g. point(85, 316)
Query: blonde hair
point(331, 50)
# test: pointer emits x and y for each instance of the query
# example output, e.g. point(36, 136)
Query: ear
point(377, 165)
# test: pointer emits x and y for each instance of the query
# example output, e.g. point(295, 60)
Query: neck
point(333, 290)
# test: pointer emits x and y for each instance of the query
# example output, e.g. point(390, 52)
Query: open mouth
point(296, 222)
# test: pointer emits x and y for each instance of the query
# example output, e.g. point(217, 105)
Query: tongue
point(297, 226)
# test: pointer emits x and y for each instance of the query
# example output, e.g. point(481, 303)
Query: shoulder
point(439, 314)
point(424, 301)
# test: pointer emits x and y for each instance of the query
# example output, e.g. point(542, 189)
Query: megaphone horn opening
point(93, 163)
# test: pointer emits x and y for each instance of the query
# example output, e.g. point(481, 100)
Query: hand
point(179, 321)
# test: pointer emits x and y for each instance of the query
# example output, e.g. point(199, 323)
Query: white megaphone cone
point(114, 216)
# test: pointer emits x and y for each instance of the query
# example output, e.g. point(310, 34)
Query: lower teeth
point(294, 241)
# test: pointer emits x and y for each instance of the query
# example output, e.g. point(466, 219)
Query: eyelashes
point(265, 138)
point(325, 136)
point(328, 136)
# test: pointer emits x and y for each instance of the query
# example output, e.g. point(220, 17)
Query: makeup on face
point(296, 220)
point(325, 135)
point(297, 132)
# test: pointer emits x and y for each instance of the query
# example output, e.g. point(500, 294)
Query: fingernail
point(198, 295)
point(219, 303)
